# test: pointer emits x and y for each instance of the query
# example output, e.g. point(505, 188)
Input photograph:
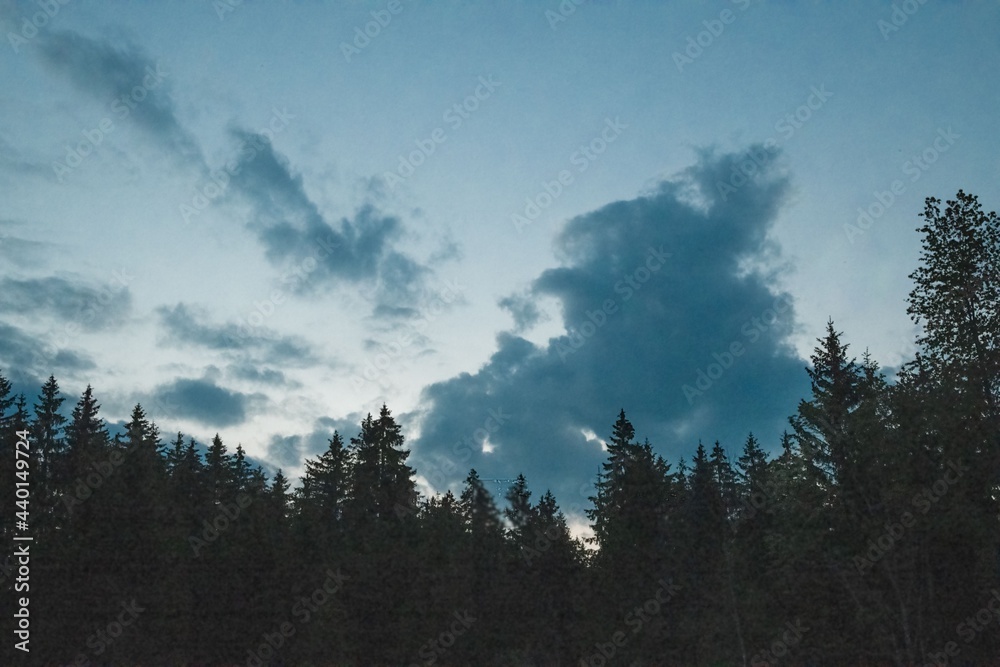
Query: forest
point(870, 537)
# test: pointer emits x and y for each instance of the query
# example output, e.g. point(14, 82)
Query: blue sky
point(505, 220)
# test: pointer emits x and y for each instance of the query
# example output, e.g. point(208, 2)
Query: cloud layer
point(665, 316)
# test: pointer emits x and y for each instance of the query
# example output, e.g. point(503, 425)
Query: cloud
point(524, 310)
point(653, 291)
point(184, 326)
point(203, 401)
point(255, 373)
point(18, 251)
point(291, 451)
point(13, 162)
point(358, 251)
point(30, 358)
point(133, 85)
point(91, 308)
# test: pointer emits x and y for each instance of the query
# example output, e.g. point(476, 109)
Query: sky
point(506, 221)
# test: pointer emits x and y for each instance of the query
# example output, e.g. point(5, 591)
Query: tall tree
point(382, 481)
point(47, 432)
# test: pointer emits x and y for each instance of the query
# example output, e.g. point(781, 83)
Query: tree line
point(871, 538)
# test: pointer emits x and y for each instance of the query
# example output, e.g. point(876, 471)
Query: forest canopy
point(871, 537)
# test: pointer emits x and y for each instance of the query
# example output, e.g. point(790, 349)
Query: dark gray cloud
point(30, 357)
point(524, 309)
point(203, 401)
point(653, 292)
point(186, 325)
point(132, 85)
point(292, 450)
point(92, 308)
point(359, 251)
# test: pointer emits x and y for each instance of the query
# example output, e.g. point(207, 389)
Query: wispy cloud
point(185, 325)
point(123, 77)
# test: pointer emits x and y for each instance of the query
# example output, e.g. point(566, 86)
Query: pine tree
point(47, 432)
point(382, 482)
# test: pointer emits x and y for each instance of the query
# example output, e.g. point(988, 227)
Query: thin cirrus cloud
point(650, 291)
point(358, 251)
point(184, 326)
point(92, 308)
point(123, 77)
